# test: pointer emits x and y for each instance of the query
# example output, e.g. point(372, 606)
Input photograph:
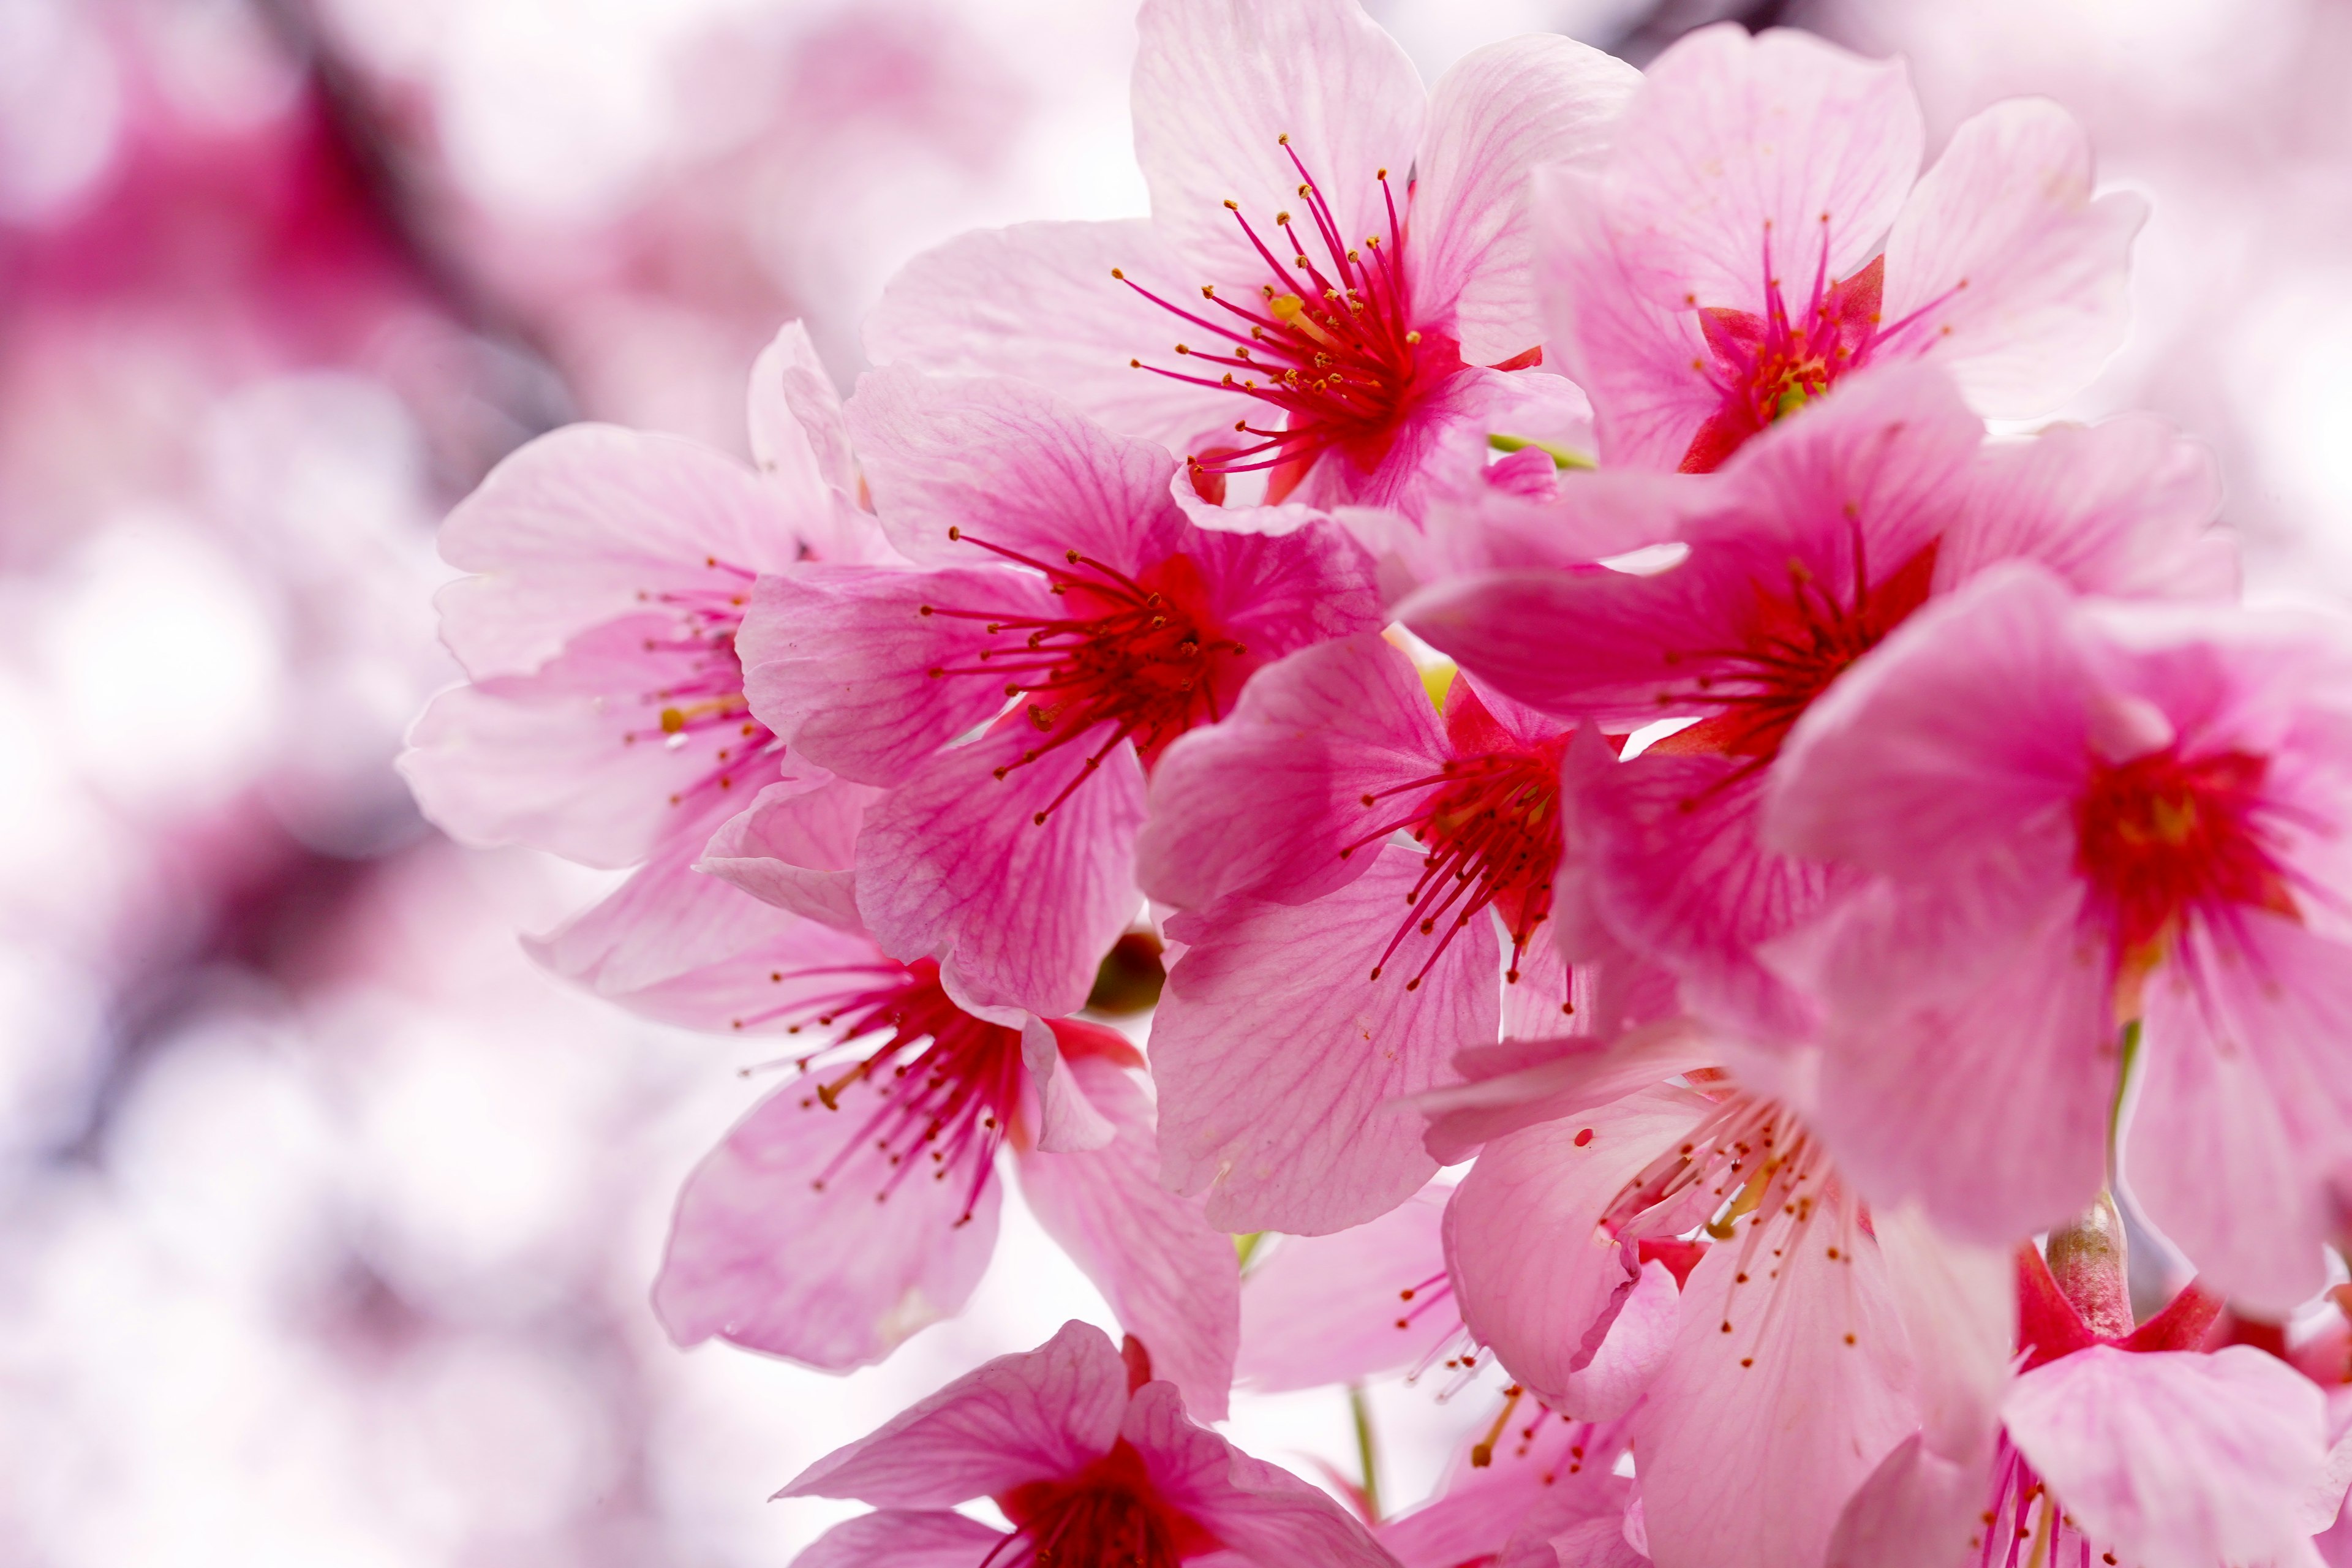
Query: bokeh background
point(325, 1220)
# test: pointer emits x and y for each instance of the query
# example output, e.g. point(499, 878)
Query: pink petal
point(954, 865)
point(759, 1256)
point(1038, 300)
point(1287, 1125)
point(1067, 1121)
point(1916, 1507)
point(1218, 83)
point(794, 847)
point(1538, 1279)
point(1011, 463)
point(1038, 1415)
point(801, 441)
point(571, 530)
point(1267, 1516)
point(1759, 1459)
point(2243, 1103)
point(1266, 802)
point(1522, 1083)
point(900, 1538)
point(1551, 1476)
point(1327, 1308)
point(2180, 1459)
point(2122, 508)
point(1596, 1544)
point(1276, 595)
point(838, 660)
point(1174, 1281)
point(1736, 141)
point(1499, 114)
point(2006, 268)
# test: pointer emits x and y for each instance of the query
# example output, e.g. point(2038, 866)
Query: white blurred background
point(325, 1220)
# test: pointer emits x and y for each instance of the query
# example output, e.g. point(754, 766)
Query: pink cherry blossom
point(1066, 624)
point(857, 1203)
point(1529, 1479)
point(1343, 258)
point(1761, 230)
point(2078, 818)
point(1090, 1461)
point(1814, 544)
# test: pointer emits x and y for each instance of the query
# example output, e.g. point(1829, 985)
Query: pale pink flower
point(2077, 817)
point(1344, 258)
point(1761, 230)
point(857, 1203)
point(1817, 540)
point(1533, 1477)
point(1066, 624)
point(1090, 1461)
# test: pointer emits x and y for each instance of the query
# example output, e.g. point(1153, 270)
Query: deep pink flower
point(1761, 230)
point(605, 720)
point(1091, 1461)
point(1346, 331)
point(2079, 818)
point(1814, 544)
point(858, 1203)
point(1064, 625)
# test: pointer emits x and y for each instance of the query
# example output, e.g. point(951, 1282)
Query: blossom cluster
point(1512, 589)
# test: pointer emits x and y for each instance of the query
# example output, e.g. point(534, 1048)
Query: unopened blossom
point(1761, 230)
point(1777, 577)
point(857, 1202)
point(1334, 288)
point(606, 719)
point(1090, 1461)
point(2079, 818)
point(1062, 625)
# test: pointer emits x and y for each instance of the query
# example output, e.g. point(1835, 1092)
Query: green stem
point(1562, 458)
point(2130, 1054)
point(1366, 1455)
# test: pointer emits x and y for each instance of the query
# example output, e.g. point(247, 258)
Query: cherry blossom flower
point(1090, 1461)
point(2081, 817)
point(1343, 259)
point(1505, 1501)
point(1813, 544)
point(1761, 230)
point(1064, 627)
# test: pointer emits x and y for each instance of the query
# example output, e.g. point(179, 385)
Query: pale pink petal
point(1521, 1082)
point(1737, 143)
point(2243, 1102)
point(901, 1538)
point(1038, 1415)
point(1499, 114)
point(577, 528)
point(1218, 83)
point(1010, 463)
point(799, 441)
point(1959, 1304)
point(1174, 1281)
point(1266, 801)
point(2124, 507)
point(1275, 1055)
point(954, 865)
point(1069, 1121)
point(2180, 1459)
point(1265, 1515)
point(1276, 595)
point(795, 845)
point(1550, 1476)
point(1918, 1509)
point(1970, 720)
point(2003, 266)
point(834, 1276)
point(1595, 1543)
point(1971, 1056)
point(1038, 300)
point(1538, 1279)
point(1319, 1309)
point(838, 660)
point(1760, 1433)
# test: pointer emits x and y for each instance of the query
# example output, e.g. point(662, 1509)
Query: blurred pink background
point(328, 1220)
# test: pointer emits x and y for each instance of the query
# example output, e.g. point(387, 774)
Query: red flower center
point(1108, 1515)
point(2162, 836)
point(944, 1085)
point(701, 705)
point(1328, 349)
point(1141, 654)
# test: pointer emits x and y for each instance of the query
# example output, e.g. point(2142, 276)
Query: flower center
point(702, 706)
point(1490, 826)
point(2162, 836)
point(1107, 1516)
point(1139, 654)
point(944, 1084)
point(1327, 350)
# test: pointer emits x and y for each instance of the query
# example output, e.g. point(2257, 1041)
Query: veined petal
point(794, 847)
point(1338, 1308)
point(902, 1537)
